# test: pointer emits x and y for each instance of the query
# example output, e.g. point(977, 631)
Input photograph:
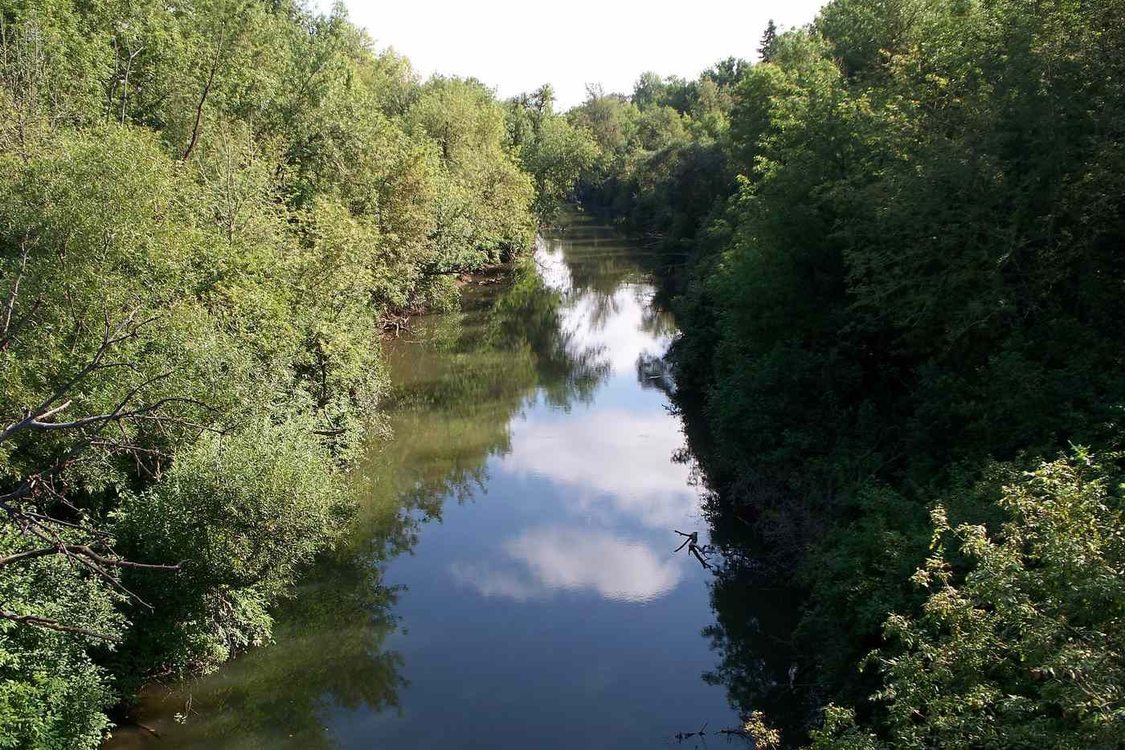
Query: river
point(511, 579)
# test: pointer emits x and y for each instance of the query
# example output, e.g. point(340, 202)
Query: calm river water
point(511, 580)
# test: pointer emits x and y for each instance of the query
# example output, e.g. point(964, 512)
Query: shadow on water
point(755, 617)
point(557, 606)
point(757, 609)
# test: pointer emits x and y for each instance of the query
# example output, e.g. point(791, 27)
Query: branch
point(110, 338)
point(118, 562)
point(85, 551)
point(42, 622)
point(88, 563)
point(36, 421)
point(14, 293)
point(39, 517)
point(20, 506)
point(117, 445)
point(26, 487)
point(29, 555)
point(197, 126)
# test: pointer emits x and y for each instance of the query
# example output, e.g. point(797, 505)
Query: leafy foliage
point(206, 211)
point(901, 288)
point(1027, 648)
point(557, 153)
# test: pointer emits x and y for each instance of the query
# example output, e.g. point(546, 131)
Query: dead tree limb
point(82, 549)
point(692, 543)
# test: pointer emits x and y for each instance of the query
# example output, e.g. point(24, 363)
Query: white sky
point(517, 46)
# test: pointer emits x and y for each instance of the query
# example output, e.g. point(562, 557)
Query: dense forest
point(208, 214)
point(895, 243)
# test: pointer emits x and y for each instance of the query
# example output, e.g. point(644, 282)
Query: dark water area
point(511, 580)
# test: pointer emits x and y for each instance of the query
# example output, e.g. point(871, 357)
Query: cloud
point(610, 460)
point(542, 562)
point(621, 334)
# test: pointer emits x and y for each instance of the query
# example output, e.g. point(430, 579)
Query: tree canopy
point(896, 244)
point(207, 211)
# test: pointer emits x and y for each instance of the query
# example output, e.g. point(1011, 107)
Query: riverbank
point(900, 329)
point(195, 272)
point(513, 553)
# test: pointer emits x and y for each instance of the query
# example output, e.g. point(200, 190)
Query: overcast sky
point(517, 46)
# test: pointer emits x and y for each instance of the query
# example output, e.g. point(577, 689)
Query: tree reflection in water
point(459, 380)
point(756, 613)
point(754, 620)
point(328, 651)
point(550, 335)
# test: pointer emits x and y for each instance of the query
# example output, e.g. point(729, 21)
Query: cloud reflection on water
point(610, 460)
point(618, 333)
point(618, 322)
point(612, 465)
point(544, 561)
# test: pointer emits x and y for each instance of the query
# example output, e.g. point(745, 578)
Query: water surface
point(511, 580)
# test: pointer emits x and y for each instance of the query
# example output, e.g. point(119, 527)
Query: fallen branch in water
point(755, 730)
point(396, 324)
point(692, 543)
point(744, 734)
point(681, 736)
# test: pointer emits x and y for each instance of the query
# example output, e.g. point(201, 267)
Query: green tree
point(767, 47)
point(905, 271)
point(206, 211)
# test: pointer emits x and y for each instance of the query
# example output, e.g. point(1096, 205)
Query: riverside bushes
point(899, 290)
point(206, 209)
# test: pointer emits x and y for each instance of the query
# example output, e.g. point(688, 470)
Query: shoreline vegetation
point(895, 249)
point(893, 245)
point(210, 214)
point(457, 380)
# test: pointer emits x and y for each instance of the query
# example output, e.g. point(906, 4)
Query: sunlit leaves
point(235, 193)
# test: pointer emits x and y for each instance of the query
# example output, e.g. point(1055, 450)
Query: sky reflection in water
point(618, 493)
point(531, 596)
point(569, 620)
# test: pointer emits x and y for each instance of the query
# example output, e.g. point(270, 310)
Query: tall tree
point(768, 45)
